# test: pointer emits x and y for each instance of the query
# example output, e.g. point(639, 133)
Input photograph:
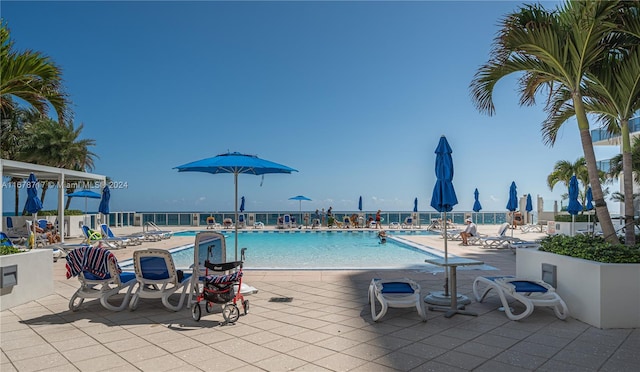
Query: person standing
point(379, 219)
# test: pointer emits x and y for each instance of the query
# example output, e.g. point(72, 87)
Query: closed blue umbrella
point(242, 204)
point(415, 204)
point(360, 204)
point(589, 205)
point(574, 206)
point(104, 203)
point(512, 204)
point(444, 196)
point(235, 163)
point(33, 204)
point(477, 207)
point(529, 206)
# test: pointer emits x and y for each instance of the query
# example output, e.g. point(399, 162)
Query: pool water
point(319, 250)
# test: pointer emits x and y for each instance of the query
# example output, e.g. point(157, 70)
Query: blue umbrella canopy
point(444, 195)
point(574, 206)
point(300, 198)
point(86, 194)
point(512, 204)
point(589, 197)
point(33, 204)
point(477, 207)
point(242, 204)
point(360, 204)
point(415, 204)
point(104, 203)
point(235, 163)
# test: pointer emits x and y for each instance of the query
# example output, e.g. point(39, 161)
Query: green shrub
point(5, 250)
point(590, 248)
point(579, 218)
point(67, 212)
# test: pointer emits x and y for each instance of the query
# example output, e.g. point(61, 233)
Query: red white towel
point(92, 259)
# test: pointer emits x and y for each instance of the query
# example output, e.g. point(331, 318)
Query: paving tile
point(494, 366)
point(163, 363)
point(100, 363)
point(310, 353)
point(443, 341)
point(400, 361)
point(337, 343)
point(460, 360)
point(143, 353)
point(340, 362)
point(88, 352)
point(43, 362)
point(580, 358)
point(556, 365)
point(519, 359)
point(479, 349)
point(29, 352)
point(280, 362)
point(433, 366)
point(284, 344)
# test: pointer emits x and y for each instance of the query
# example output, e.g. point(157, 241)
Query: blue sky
point(354, 95)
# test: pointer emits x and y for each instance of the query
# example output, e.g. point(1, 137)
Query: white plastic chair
point(395, 293)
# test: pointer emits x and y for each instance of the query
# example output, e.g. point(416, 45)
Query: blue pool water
point(319, 250)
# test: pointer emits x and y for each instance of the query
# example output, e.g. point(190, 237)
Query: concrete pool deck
point(327, 326)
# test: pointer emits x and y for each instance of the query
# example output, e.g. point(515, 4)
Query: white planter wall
point(600, 294)
point(35, 277)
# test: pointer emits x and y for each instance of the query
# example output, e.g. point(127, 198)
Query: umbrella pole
point(446, 258)
point(235, 181)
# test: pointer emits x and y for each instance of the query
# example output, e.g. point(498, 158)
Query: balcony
point(601, 138)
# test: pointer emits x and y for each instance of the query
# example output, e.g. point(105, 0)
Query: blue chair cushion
point(127, 276)
point(397, 287)
point(526, 286)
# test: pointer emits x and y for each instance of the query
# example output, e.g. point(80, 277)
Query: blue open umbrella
point(574, 206)
point(33, 204)
point(300, 198)
point(242, 204)
point(529, 206)
point(104, 203)
point(235, 163)
point(444, 195)
point(86, 194)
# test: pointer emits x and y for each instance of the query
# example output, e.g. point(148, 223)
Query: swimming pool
point(326, 250)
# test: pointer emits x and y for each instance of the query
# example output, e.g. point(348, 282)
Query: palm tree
point(554, 51)
point(612, 93)
point(30, 77)
point(57, 145)
point(616, 162)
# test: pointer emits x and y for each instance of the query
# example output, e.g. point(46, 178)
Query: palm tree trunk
point(589, 155)
point(627, 179)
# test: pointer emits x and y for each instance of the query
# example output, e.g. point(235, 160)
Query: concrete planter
point(34, 276)
point(600, 294)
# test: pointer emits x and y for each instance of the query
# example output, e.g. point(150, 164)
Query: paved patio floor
point(326, 326)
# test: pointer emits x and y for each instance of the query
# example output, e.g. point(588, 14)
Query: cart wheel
point(245, 305)
point(72, 305)
point(230, 313)
point(196, 312)
point(209, 306)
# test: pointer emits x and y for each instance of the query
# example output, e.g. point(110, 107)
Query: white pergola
point(12, 168)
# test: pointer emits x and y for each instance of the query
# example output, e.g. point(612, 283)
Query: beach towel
point(92, 259)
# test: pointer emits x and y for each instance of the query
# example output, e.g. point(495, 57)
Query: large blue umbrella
point(235, 163)
point(104, 203)
point(242, 204)
point(300, 198)
point(574, 206)
point(86, 194)
point(33, 204)
point(529, 206)
point(444, 195)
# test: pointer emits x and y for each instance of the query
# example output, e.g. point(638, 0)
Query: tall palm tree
point(57, 145)
point(564, 170)
point(616, 162)
point(553, 50)
point(612, 93)
point(31, 77)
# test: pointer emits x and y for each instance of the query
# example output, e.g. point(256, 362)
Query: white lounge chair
point(408, 223)
point(100, 277)
point(150, 228)
point(157, 278)
point(241, 221)
point(530, 293)
point(501, 240)
point(212, 224)
point(395, 293)
point(132, 239)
